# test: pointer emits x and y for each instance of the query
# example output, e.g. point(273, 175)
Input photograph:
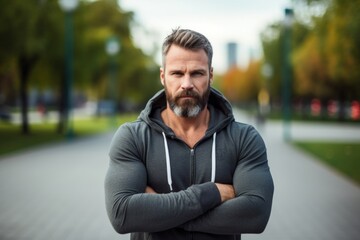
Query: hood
point(220, 112)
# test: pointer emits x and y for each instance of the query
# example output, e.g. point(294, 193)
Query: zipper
point(192, 166)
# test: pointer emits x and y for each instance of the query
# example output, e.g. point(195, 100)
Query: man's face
point(186, 78)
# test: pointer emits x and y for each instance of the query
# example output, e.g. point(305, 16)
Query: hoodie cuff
point(209, 195)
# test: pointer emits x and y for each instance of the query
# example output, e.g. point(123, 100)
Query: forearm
point(246, 214)
point(131, 211)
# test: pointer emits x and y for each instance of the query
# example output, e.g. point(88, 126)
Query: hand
point(149, 190)
point(227, 191)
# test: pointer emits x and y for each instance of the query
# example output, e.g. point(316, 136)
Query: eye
point(198, 74)
point(176, 73)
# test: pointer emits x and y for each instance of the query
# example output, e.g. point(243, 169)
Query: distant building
point(232, 54)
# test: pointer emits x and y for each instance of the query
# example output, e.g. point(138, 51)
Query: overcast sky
point(222, 21)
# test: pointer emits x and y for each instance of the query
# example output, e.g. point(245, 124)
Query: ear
point(211, 75)
point(162, 76)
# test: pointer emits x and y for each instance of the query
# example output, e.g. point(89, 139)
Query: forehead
point(180, 57)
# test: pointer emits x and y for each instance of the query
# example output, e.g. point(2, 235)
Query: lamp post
point(112, 48)
point(286, 74)
point(68, 6)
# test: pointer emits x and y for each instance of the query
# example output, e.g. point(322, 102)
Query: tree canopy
point(325, 49)
point(32, 53)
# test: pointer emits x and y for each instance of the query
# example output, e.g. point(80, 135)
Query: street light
point(68, 6)
point(286, 74)
point(112, 48)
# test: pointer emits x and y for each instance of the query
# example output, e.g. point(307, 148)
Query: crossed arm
point(208, 207)
point(226, 191)
point(243, 207)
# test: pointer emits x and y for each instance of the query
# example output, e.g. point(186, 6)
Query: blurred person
point(186, 169)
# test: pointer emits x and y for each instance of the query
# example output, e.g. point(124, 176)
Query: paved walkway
point(57, 192)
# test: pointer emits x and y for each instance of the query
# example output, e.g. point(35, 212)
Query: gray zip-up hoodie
point(188, 205)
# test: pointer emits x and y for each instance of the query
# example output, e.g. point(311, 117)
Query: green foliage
point(95, 23)
point(32, 56)
point(272, 56)
point(325, 50)
point(344, 157)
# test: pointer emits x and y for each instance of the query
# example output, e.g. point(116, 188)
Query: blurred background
point(75, 68)
point(104, 56)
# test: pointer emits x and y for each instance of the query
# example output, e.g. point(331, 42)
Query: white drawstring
point(213, 159)
point(168, 168)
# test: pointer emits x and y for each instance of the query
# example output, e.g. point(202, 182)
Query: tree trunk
point(62, 105)
point(25, 64)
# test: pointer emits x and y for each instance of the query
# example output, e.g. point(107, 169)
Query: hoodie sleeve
point(250, 210)
point(130, 209)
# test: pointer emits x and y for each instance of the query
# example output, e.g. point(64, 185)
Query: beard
point(190, 107)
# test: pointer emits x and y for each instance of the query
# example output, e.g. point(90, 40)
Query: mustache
point(187, 93)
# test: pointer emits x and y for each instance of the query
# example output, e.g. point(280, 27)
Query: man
point(185, 169)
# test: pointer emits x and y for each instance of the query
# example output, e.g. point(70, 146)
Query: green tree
point(96, 23)
point(271, 46)
point(23, 32)
point(32, 52)
point(326, 64)
point(325, 49)
point(310, 69)
point(342, 47)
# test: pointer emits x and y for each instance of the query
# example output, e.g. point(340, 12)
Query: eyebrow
point(191, 71)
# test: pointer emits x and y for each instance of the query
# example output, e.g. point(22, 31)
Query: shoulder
point(246, 136)
point(129, 136)
point(133, 128)
point(243, 129)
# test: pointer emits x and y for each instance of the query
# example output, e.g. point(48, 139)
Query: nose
point(187, 83)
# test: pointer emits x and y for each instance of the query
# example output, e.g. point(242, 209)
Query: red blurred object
point(315, 107)
point(355, 110)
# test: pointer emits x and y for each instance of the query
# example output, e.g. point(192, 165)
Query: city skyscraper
point(232, 54)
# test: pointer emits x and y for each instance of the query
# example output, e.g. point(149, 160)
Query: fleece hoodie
point(188, 205)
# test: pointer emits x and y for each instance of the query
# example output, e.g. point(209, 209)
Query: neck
point(190, 130)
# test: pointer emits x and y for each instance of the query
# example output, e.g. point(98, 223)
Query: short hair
point(187, 39)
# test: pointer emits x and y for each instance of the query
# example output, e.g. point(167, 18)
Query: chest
point(187, 166)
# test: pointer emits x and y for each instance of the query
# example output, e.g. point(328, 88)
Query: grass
point(11, 139)
point(343, 156)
